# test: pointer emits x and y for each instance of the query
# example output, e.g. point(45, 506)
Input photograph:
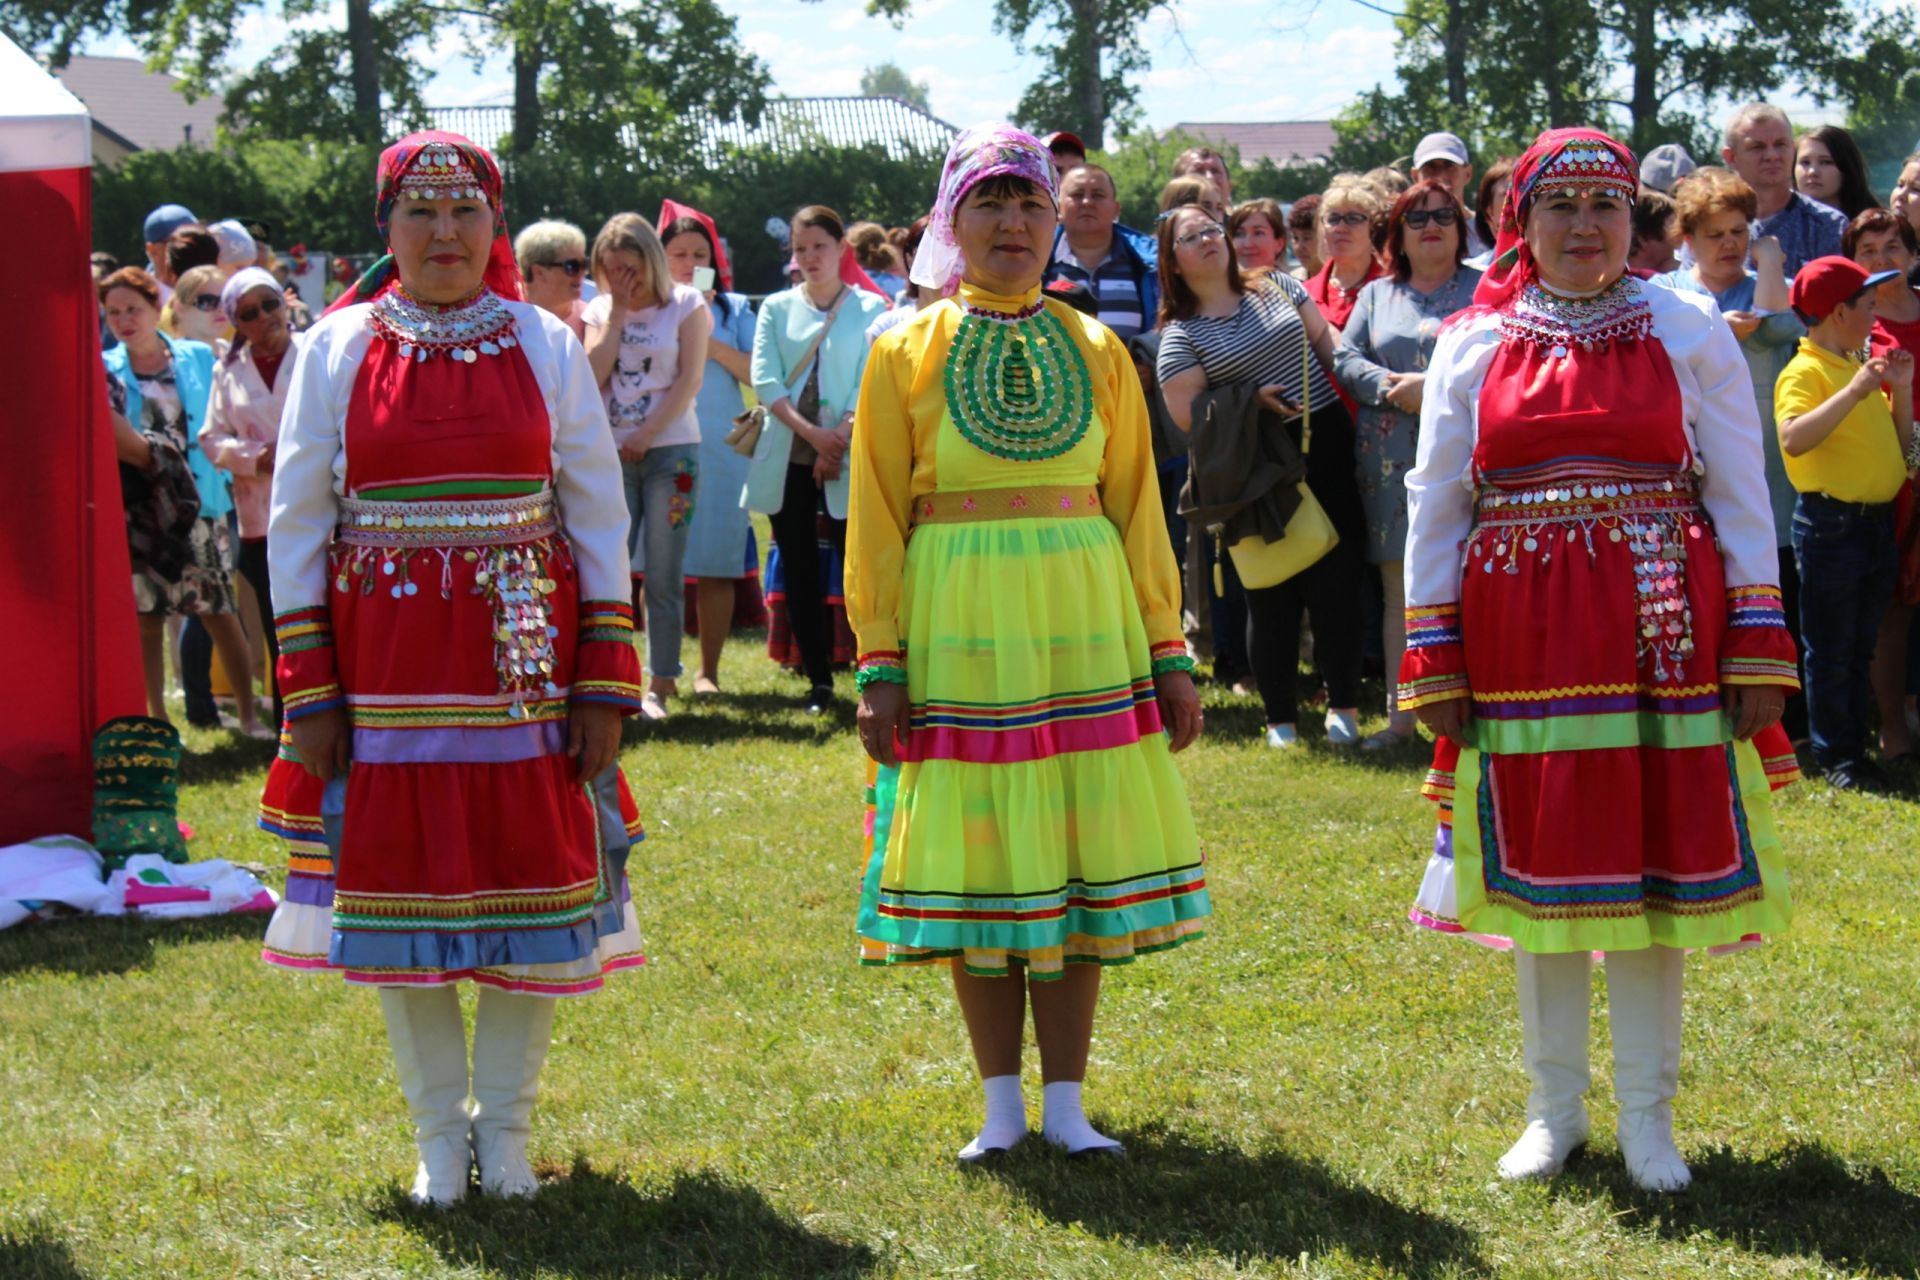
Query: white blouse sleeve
point(1440, 486)
point(1723, 419)
point(586, 466)
point(310, 461)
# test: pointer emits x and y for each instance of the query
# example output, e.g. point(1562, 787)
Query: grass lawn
point(1317, 1089)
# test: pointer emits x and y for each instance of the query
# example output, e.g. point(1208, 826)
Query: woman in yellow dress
point(1023, 679)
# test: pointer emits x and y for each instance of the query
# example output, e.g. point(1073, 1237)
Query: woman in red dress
point(448, 551)
point(1594, 631)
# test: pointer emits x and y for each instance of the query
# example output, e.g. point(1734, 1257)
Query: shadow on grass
point(592, 1226)
point(36, 1258)
point(89, 945)
point(1799, 1201)
point(1220, 1200)
point(230, 758)
point(733, 717)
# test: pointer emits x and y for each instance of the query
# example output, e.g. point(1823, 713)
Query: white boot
point(430, 1053)
point(1643, 991)
point(1556, 999)
point(510, 1038)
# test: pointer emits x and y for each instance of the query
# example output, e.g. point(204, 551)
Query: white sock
point(1064, 1123)
point(1006, 1117)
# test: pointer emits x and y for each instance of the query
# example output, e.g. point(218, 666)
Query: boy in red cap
point(1846, 433)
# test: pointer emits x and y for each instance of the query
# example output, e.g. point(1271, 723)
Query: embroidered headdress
point(436, 165)
point(1560, 161)
point(976, 155)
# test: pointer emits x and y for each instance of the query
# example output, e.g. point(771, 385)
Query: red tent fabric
point(68, 643)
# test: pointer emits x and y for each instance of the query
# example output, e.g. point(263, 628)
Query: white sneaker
point(1281, 735)
point(1342, 729)
point(653, 706)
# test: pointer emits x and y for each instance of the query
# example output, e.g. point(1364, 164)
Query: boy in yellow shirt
point(1846, 428)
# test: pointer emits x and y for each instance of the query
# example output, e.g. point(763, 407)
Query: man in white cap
point(1442, 157)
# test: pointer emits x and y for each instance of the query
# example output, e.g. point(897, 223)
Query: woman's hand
point(593, 737)
point(1447, 719)
point(1752, 707)
point(321, 741)
point(1768, 252)
point(623, 283)
point(882, 720)
point(1405, 391)
point(1743, 323)
point(825, 470)
point(263, 460)
point(1179, 708)
point(1274, 397)
point(633, 450)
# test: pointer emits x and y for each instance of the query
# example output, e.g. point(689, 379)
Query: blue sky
point(1218, 60)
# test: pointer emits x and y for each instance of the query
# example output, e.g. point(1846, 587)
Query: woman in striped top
point(1218, 326)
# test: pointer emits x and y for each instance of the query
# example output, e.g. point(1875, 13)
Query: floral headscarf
point(1560, 160)
point(976, 155)
point(426, 165)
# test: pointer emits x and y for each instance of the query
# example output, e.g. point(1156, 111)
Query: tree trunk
point(1089, 91)
point(365, 59)
point(1646, 72)
point(1457, 34)
point(528, 59)
point(1559, 110)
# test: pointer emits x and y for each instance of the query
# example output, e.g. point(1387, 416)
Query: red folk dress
point(448, 546)
point(1591, 561)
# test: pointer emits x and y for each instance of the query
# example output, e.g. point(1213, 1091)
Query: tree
point(888, 81)
point(1094, 55)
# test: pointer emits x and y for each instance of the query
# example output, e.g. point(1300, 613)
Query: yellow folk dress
point(1008, 563)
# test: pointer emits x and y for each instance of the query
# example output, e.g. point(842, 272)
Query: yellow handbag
point(1310, 535)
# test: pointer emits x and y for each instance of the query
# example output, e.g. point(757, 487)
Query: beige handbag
point(1310, 534)
point(745, 436)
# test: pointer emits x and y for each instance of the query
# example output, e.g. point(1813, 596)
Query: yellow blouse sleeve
point(880, 499)
point(1130, 487)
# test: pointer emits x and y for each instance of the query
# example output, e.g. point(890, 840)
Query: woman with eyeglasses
point(1222, 325)
point(647, 341)
point(1382, 362)
point(167, 383)
point(552, 257)
point(243, 420)
point(1348, 210)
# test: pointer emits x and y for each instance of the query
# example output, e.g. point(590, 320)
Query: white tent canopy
point(42, 126)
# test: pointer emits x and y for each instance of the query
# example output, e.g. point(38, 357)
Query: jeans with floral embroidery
point(660, 489)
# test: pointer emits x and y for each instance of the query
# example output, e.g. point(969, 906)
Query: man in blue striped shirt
point(1118, 265)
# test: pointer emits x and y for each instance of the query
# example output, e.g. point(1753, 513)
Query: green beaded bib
point(1017, 385)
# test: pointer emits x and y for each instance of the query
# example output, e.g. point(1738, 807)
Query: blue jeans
point(660, 492)
point(1845, 554)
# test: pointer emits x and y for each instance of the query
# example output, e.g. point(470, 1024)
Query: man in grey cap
point(1664, 166)
point(1442, 157)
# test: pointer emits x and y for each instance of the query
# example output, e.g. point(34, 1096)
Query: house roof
point(786, 125)
point(1285, 142)
point(145, 108)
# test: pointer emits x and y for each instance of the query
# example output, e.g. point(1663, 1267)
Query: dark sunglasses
point(207, 302)
point(1347, 219)
point(265, 307)
point(572, 266)
point(1417, 218)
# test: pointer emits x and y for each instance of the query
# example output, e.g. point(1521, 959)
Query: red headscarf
point(436, 163)
point(1576, 159)
point(672, 210)
point(850, 273)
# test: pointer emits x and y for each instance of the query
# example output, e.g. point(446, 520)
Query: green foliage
point(304, 87)
point(889, 80)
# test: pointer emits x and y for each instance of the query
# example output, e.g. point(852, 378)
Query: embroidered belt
point(1034, 502)
point(468, 522)
point(1575, 502)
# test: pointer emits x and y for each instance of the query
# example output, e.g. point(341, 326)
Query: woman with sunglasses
point(1348, 210)
point(1382, 362)
point(243, 420)
point(552, 257)
point(193, 312)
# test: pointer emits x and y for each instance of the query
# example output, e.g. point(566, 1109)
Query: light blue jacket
point(780, 339)
point(193, 378)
